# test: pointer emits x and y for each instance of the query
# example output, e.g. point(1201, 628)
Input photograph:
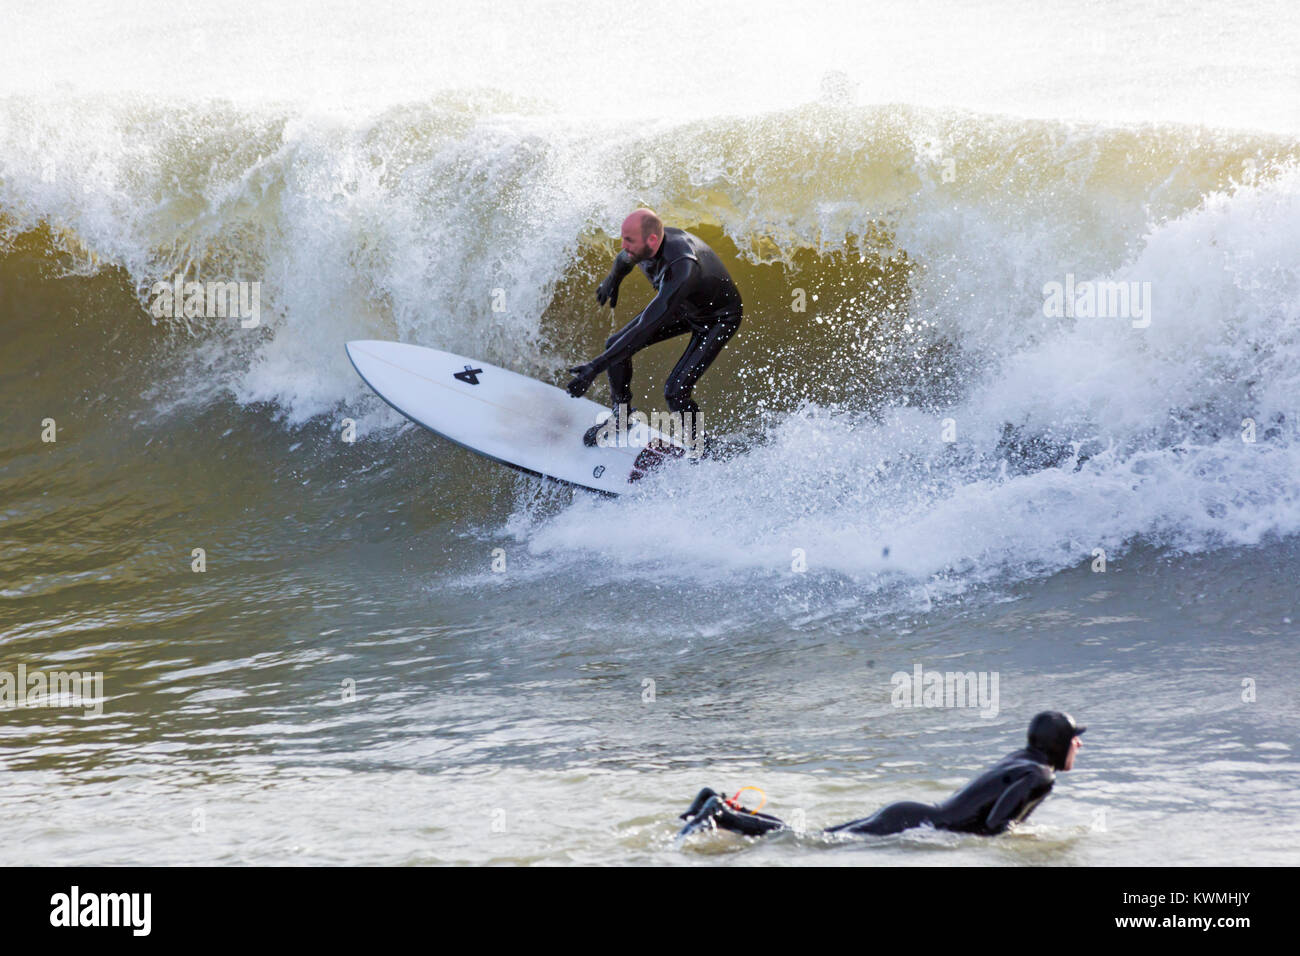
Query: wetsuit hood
point(1051, 733)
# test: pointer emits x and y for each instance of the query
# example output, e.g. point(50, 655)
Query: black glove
point(607, 291)
point(578, 387)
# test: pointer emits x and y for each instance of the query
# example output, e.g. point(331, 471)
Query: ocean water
point(398, 652)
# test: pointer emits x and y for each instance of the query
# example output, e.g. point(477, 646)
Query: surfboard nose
point(361, 351)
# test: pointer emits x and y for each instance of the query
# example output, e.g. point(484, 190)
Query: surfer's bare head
point(643, 231)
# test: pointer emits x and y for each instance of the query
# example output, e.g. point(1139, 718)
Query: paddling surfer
point(1002, 796)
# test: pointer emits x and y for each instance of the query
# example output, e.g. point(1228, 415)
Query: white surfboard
point(503, 415)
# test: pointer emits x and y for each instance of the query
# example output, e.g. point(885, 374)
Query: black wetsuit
point(695, 295)
point(1004, 794)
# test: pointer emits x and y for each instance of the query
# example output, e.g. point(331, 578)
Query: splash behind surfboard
point(505, 416)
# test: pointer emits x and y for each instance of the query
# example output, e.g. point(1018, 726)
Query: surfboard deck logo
point(505, 416)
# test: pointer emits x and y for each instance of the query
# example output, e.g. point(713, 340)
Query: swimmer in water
point(1003, 795)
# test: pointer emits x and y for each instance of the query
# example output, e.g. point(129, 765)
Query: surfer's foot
point(705, 447)
point(698, 803)
point(699, 815)
point(591, 437)
point(709, 810)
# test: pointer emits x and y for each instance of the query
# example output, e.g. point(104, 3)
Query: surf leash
point(735, 804)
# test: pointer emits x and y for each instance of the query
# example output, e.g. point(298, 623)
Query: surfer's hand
point(578, 387)
point(608, 290)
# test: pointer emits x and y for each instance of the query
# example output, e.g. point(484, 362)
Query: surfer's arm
point(676, 285)
point(1011, 805)
point(623, 265)
point(608, 290)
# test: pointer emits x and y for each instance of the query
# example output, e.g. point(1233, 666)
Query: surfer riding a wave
point(694, 293)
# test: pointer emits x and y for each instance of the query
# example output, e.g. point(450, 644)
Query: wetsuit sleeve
point(1033, 786)
point(673, 290)
point(622, 266)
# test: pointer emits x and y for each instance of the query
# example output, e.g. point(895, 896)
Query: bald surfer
point(693, 294)
point(1002, 796)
